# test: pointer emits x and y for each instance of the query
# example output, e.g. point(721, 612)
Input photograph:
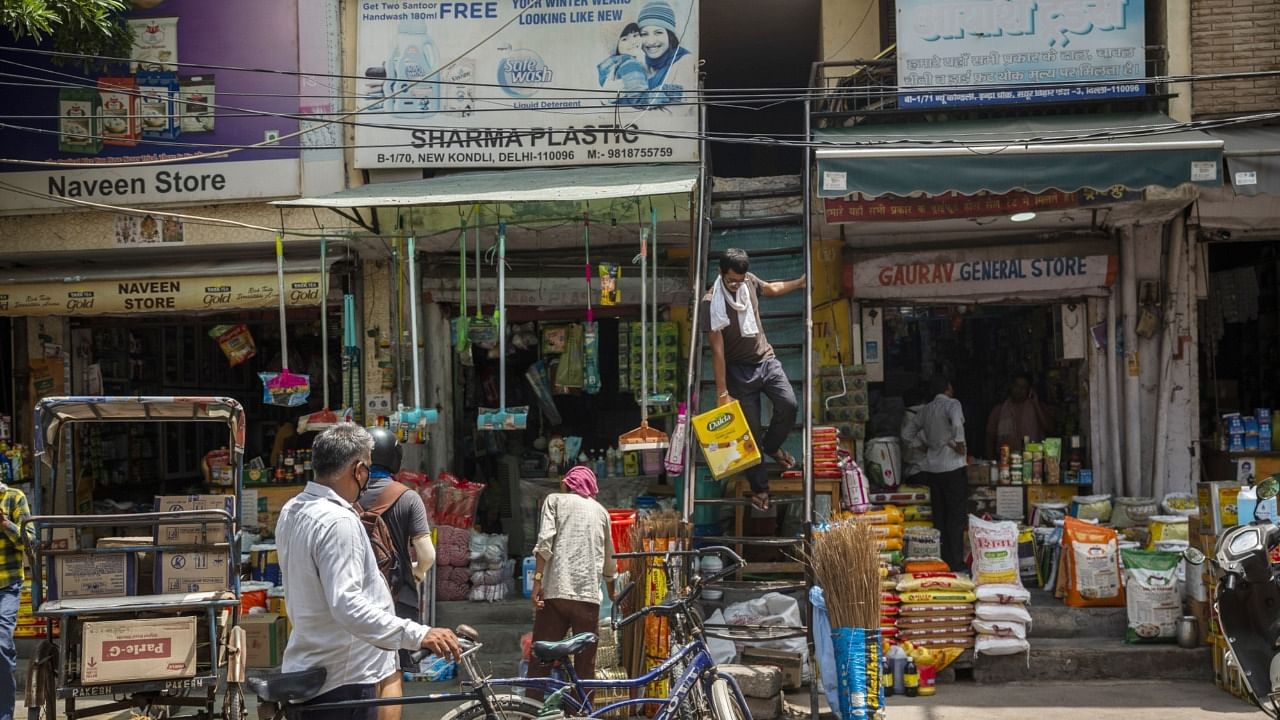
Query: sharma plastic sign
point(1025, 49)
point(516, 83)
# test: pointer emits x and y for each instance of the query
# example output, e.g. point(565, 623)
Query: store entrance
point(982, 349)
point(1240, 331)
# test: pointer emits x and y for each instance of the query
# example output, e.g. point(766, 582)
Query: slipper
point(784, 459)
point(760, 501)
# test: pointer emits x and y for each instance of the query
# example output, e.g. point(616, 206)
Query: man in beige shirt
point(574, 551)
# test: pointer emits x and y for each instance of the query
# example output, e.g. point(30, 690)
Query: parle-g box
point(132, 650)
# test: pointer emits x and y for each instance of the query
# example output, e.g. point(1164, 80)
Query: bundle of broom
point(646, 644)
point(846, 563)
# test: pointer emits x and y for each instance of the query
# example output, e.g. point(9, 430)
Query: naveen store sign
point(979, 272)
point(188, 294)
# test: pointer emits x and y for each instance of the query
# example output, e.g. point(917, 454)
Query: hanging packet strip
point(236, 342)
point(591, 353)
point(285, 389)
point(610, 274)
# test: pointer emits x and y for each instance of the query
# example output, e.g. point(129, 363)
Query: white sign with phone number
point(514, 83)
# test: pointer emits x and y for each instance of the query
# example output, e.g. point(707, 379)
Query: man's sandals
point(760, 501)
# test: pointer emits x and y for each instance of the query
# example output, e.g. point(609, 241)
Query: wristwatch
point(537, 577)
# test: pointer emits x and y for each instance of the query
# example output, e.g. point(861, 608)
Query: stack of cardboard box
point(844, 400)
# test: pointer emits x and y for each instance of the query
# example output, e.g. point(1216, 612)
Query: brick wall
point(1235, 36)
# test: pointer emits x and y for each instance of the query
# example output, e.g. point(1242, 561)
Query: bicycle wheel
point(725, 704)
point(508, 706)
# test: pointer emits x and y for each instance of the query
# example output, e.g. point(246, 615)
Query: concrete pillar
point(437, 354)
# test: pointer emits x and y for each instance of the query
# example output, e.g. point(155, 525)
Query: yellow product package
point(1168, 527)
point(938, 596)
point(726, 440)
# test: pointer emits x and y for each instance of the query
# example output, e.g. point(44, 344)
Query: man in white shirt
point(343, 617)
point(940, 427)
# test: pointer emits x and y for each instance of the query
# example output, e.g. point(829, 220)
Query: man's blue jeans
point(8, 652)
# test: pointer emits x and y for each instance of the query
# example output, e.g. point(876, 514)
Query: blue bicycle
point(700, 690)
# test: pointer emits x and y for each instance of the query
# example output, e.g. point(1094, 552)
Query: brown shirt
point(739, 350)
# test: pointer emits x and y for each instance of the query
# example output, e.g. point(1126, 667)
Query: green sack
point(1152, 599)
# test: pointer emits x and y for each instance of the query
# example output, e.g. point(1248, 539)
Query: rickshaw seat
point(287, 687)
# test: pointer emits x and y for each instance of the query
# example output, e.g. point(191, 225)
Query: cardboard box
point(133, 650)
point(265, 636)
point(785, 660)
point(190, 533)
point(85, 575)
point(63, 539)
point(1217, 506)
point(190, 572)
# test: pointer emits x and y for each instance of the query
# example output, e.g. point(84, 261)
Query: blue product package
point(1234, 422)
point(158, 104)
point(1235, 443)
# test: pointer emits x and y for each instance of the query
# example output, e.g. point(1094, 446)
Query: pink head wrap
point(581, 480)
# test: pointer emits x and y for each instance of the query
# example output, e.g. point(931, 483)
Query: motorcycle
point(1248, 601)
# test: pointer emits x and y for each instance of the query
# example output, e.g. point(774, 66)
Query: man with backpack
point(395, 519)
point(342, 612)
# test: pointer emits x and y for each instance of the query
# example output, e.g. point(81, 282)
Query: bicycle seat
point(547, 651)
point(277, 687)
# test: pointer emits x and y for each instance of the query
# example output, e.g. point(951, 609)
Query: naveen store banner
point(516, 83)
point(187, 294)
point(1030, 47)
point(978, 272)
point(90, 122)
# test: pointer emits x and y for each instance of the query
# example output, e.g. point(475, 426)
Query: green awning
point(567, 184)
point(1034, 154)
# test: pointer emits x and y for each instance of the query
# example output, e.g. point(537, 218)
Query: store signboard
point(202, 132)
point(519, 83)
point(978, 272)
point(983, 52)
point(145, 295)
point(889, 208)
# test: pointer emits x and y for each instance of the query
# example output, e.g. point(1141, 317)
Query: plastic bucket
point(253, 595)
point(620, 524)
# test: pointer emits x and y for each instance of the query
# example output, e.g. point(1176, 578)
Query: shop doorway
point(981, 349)
point(1240, 331)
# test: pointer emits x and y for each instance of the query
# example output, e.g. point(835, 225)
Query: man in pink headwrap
point(574, 550)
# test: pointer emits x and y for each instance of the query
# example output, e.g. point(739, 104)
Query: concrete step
point(516, 611)
point(1093, 658)
point(1050, 618)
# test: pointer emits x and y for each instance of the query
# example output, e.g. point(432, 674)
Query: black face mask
point(361, 486)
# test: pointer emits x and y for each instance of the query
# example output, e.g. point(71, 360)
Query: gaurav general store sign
point(938, 275)
point(191, 294)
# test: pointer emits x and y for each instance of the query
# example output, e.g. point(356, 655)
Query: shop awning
point(575, 184)
point(1033, 154)
point(1253, 158)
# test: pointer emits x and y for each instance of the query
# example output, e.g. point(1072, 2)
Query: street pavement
point(969, 701)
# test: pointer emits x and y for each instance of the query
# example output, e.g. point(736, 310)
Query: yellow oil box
point(726, 440)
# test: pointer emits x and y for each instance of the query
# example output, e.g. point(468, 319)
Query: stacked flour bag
point(935, 606)
point(886, 523)
point(492, 572)
point(1001, 618)
point(453, 558)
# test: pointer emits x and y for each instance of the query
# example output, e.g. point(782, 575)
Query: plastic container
point(253, 595)
point(527, 568)
point(710, 565)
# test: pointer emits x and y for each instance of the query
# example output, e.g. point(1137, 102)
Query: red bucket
point(620, 524)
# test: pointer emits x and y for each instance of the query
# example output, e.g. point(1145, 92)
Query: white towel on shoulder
point(721, 301)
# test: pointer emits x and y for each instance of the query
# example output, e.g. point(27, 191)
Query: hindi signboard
point(982, 52)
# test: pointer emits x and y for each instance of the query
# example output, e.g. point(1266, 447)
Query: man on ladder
point(744, 362)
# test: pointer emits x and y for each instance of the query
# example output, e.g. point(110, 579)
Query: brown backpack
point(375, 526)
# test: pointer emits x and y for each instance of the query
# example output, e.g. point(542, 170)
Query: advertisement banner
point(1030, 46)
point(164, 104)
point(189, 294)
point(521, 83)
point(994, 271)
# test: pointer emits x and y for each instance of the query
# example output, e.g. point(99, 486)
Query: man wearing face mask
point(343, 616)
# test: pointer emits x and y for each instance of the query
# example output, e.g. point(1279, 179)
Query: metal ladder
point(780, 247)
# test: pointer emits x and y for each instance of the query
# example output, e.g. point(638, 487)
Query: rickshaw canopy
point(54, 412)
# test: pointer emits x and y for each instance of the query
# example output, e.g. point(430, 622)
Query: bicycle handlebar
point(735, 564)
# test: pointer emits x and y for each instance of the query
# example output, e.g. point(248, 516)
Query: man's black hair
point(938, 384)
point(736, 260)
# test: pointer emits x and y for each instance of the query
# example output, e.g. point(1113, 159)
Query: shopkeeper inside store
point(1020, 418)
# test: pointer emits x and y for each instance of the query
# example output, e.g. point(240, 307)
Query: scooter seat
point(547, 651)
point(288, 687)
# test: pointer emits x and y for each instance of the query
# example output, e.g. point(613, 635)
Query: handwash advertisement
point(519, 83)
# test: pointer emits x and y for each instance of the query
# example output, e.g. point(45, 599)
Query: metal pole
point(695, 339)
point(502, 319)
point(324, 319)
point(414, 299)
point(808, 387)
